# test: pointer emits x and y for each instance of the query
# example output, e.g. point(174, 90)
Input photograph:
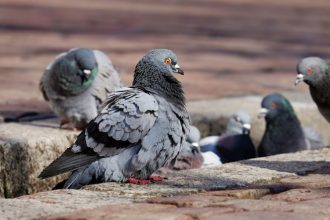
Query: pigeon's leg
point(137, 181)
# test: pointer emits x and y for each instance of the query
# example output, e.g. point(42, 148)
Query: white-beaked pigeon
point(76, 83)
point(284, 133)
point(315, 72)
point(235, 144)
point(139, 129)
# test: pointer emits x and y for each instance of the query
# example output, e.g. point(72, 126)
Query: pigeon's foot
point(156, 178)
point(65, 124)
point(137, 181)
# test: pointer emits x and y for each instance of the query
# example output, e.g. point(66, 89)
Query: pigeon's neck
point(285, 126)
point(163, 85)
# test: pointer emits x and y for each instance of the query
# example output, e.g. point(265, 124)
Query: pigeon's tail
point(84, 176)
point(68, 161)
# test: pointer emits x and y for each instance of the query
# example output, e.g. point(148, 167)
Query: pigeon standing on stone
point(235, 144)
point(283, 132)
point(76, 83)
point(315, 72)
point(139, 129)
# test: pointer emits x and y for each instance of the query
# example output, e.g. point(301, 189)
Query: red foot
point(137, 181)
point(65, 124)
point(156, 178)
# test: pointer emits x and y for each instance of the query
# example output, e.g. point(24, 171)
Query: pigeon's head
point(275, 105)
point(77, 69)
point(239, 123)
point(311, 70)
point(155, 73)
point(158, 61)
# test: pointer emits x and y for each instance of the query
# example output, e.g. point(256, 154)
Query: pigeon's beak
point(246, 128)
point(299, 78)
point(87, 72)
point(262, 112)
point(177, 69)
point(194, 144)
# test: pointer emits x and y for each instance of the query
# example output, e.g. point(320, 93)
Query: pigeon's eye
point(168, 60)
point(309, 70)
point(237, 119)
point(273, 105)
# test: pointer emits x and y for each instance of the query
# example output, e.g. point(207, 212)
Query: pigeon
point(76, 83)
point(313, 138)
point(315, 72)
point(235, 144)
point(139, 129)
point(283, 132)
point(190, 156)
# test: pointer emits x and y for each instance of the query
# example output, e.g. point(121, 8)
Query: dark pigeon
point(283, 133)
point(235, 144)
point(315, 72)
point(139, 129)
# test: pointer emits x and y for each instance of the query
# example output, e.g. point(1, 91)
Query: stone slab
point(24, 151)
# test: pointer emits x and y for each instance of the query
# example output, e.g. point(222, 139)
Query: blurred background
point(226, 48)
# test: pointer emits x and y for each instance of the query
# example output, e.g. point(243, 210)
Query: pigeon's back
point(236, 147)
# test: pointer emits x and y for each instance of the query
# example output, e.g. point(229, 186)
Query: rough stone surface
point(24, 151)
point(255, 187)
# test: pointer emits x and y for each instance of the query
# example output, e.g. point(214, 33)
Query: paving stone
point(127, 211)
point(54, 202)
point(269, 215)
point(191, 201)
point(296, 195)
point(240, 193)
point(24, 151)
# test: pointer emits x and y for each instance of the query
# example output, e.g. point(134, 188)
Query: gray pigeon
point(314, 139)
point(235, 144)
point(76, 83)
point(315, 72)
point(283, 132)
point(139, 129)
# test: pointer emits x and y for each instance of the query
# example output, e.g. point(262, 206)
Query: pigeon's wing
point(314, 139)
point(126, 118)
point(45, 76)
point(107, 79)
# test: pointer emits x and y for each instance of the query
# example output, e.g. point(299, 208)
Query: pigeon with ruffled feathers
point(139, 129)
point(315, 72)
point(76, 83)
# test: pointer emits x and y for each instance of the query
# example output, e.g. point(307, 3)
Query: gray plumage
point(77, 82)
point(190, 156)
point(315, 72)
point(139, 129)
point(283, 132)
point(313, 137)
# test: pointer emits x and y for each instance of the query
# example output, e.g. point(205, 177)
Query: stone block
point(24, 151)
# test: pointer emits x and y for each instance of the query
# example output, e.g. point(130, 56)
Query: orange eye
point(309, 70)
point(168, 60)
point(273, 105)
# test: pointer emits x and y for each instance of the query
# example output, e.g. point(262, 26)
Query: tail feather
point(68, 161)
